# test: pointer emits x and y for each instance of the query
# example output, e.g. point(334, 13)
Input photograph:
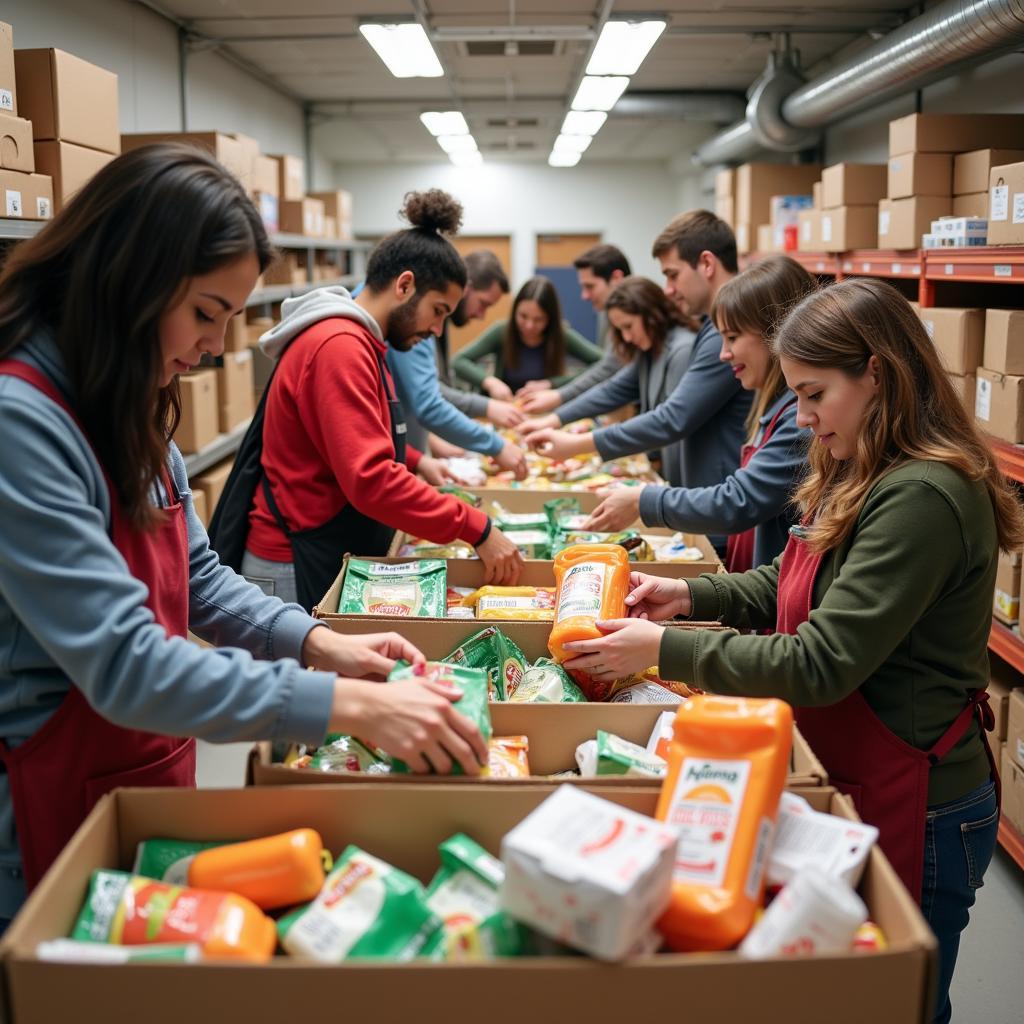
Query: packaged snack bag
point(68, 951)
point(347, 754)
point(726, 772)
point(278, 871)
point(509, 758)
point(366, 910)
point(536, 604)
point(500, 657)
point(462, 494)
point(661, 736)
point(564, 514)
point(129, 910)
point(473, 703)
point(511, 522)
point(612, 755)
point(870, 938)
point(427, 549)
point(405, 588)
point(532, 543)
point(546, 682)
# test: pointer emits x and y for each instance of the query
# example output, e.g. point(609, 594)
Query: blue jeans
point(959, 840)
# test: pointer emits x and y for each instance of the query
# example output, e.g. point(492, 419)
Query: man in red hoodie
point(337, 476)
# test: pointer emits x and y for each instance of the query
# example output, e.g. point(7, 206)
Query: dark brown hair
point(915, 415)
point(641, 297)
point(756, 302)
point(695, 232)
point(101, 276)
point(485, 269)
point(603, 260)
point(541, 291)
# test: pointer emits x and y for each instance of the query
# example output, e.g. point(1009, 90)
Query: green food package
point(511, 522)
point(492, 651)
point(638, 548)
point(167, 860)
point(531, 543)
point(348, 754)
point(409, 589)
point(464, 894)
point(546, 682)
point(462, 494)
point(366, 910)
point(612, 755)
point(473, 703)
point(564, 514)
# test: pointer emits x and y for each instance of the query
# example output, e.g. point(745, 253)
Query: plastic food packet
point(531, 543)
point(403, 588)
point(129, 910)
point(536, 604)
point(68, 951)
point(675, 549)
point(512, 522)
point(508, 758)
point(347, 754)
point(612, 755)
point(870, 938)
point(546, 682)
point(276, 871)
point(473, 703)
point(425, 549)
point(366, 910)
point(494, 652)
point(462, 494)
point(464, 895)
point(564, 514)
point(661, 736)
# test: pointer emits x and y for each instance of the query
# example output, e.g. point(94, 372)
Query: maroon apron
point(58, 774)
point(739, 547)
point(886, 777)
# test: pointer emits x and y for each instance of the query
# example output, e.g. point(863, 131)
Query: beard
point(400, 330)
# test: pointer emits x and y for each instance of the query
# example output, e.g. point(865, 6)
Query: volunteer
point(707, 409)
point(103, 562)
point(754, 504)
point(653, 342)
point(337, 474)
point(882, 600)
point(530, 346)
point(599, 269)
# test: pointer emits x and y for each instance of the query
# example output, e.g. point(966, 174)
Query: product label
point(759, 862)
point(581, 591)
point(1018, 207)
point(14, 208)
point(396, 569)
point(1000, 206)
point(523, 519)
point(396, 598)
point(7, 100)
point(983, 400)
point(826, 229)
point(884, 217)
point(706, 809)
point(165, 913)
point(44, 210)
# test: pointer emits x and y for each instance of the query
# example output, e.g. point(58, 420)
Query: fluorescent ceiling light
point(622, 46)
point(405, 49)
point(445, 122)
point(563, 159)
point(599, 93)
point(571, 143)
point(583, 122)
point(457, 143)
point(474, 159)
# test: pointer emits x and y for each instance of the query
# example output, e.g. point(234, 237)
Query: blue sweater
point(69, 610)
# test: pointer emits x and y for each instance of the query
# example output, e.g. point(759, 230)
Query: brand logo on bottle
point(705, 773)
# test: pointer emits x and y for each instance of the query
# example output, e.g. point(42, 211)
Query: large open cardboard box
point(403, 825)
point(554, 732)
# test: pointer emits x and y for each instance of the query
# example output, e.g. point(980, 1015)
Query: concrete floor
point(988, 987)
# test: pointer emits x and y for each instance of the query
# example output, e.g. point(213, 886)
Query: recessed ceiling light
point(599, 93)
point(405, 49)
point(571, 143)
point(457, 143)
point(445, 122)
point(583, 122)
point(563, 159)
point(622, 46)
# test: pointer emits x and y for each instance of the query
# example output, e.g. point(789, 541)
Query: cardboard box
point(816, 195)
point(199, 504)
point(331, 228)
point(26, 196)
point(1012, 778)
point(965, 386)
point(1006, 604)
point(757, 183)
point(266, 176)
point(1015, 727)
point(849, 227)
point(725, 183)
point(229, 151)
point(809, 231)
point(257, 326)
point(902, 222)
point(1004, 340)
point(337, 204)
point(971, 170)
point(403, 826)
point(198, 424)
point(69, 166)
point(16, 145)
point(920, 174)
point(725, 209)
point(852, 185)
point(291, 177)
point(1003, 680)
point(288, 268)
point(8, 79)
point(953, 133)
point(212, 482)
point(236, 336)
point(973, 204)
point(746, 237)
point(270, 210)
point(959, 337)
point(69, 99)
point(999, 405)
point(765, 242)
point(249, 151)
point(236, 400)
point(1006, 205)
point(302, 217)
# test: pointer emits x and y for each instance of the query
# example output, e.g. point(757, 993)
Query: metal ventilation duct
point(930, 47)
point(717, 107)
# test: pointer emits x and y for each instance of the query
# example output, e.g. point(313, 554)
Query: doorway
point(555, 255)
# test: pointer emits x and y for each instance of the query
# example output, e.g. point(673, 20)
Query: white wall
point(626, 203)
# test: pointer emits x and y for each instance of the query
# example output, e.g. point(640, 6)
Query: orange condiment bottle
point(592, 582)
point(727, 768)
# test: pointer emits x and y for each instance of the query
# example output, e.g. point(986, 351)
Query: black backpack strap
point(272, 505)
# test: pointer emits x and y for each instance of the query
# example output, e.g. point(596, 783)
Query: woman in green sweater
point(530, 347)
point(881, 602)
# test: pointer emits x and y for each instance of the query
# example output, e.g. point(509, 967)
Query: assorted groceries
point(407, 589)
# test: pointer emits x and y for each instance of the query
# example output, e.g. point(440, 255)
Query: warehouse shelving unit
point(14, 229)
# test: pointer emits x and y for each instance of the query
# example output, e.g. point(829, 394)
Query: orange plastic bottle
point(277, 871)
point(592, 582)
point(727, 768)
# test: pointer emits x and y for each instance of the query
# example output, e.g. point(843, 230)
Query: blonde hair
point(915, 415)
point(756, 302)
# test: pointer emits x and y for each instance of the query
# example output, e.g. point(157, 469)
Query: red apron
point(739, 547)
point(886, 777)
point(58, 774)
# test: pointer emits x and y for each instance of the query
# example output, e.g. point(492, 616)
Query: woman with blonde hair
point(753, 505)
point(882, 600)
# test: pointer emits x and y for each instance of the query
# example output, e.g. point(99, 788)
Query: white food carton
point(588, 872)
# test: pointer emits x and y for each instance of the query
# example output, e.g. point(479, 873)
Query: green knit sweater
point(902, 610)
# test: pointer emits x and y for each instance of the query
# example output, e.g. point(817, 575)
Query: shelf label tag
point(1002, 270)
point(983, 400)
point(897, 268)
point(866, 267)
point(847, 265)
point(7, 101)
point(1000, 202)
point(1018, 207)
point(949, 268)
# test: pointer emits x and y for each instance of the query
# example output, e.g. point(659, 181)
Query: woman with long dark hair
point(104, 565)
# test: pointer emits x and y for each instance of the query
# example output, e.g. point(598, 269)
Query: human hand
point(628, 646)
point(512, 457)
point(369, 657)
point(533, 385)
point(442, 449)
point(503, 561)
point(437, 473)
point(559, 444)
point(531, 426)
point(497, 388)
point(619, 509)
point(657, 598)
point(541, 401)
point(504, 414)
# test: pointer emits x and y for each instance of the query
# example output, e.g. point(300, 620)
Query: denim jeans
point(275, 579)
point(959, 841)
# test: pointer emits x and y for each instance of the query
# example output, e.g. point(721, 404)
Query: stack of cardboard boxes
point(999, 398)
point(755, 186)
point(207, 488)
point(1006, 203)
point(971, 172)
point(850, 194)
point(1012, 761)
point(24, 194)
point(725, 202)
point(959, 337)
